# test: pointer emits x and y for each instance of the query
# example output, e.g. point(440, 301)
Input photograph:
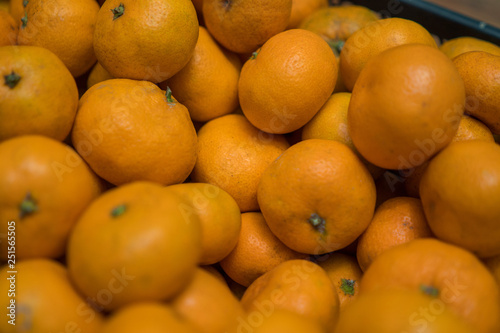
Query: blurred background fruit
point(38, 192)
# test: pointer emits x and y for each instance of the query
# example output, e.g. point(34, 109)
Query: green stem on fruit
point(336, 46)
point(28, 206)
point(118, 210)
point(169, 95)
point(318, 223)
point(254, 55)
point(429, 290)
point(24, 20)
point(347, 286)
point(25, 3)
point(12, 79)
point(118, 11)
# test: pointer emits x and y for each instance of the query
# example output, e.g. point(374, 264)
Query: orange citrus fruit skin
point(396, 221)
point(287, 82)
point(330, 122)
point(44, 100)
point(317, 197)
point(45, 299)
point(454, 276)
point(302, 9)
point(9, 28)
point(151, 41)
point(456, 46)
point(406, 106)
point(375, 37)
point(480, 72)
point(300, 286)
point(208, 84)
point(242, 26)
point(345, 274)
point(208, 304)
point(232, 154)
point(152, 317)
point(159, 134)
point(141, 242)
point(16, 9)
point(97, 74)
point(69, 34)
point(257, 251)
point(218, 213)
point(56, 182)
point(399, 311)
point(338, 23)
point(470, 128)
point(282, 321)
point(459, 191)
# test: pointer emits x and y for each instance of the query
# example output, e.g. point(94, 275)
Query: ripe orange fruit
point(232, 154)
point(460, 191)
point(97, 74)
point(145, 40)
point(394, 117)
point(317, 197)
point(208, 84)
point(9, 28)
point(258, 251)
point(38, 95)
point(207, 304)
point(41, 289)
point(16, 9)
point(456, 46)
point(472, 129)
point(296, 285)
point(345, 274)
point(69, 34)
point(151, 317)
point(218, 213)
point(396, 221)
point(338, 23)
point(300, 63)
point(480, 72)
point(331, 123)
point(302, 9)
point(130, 130)
point(38, 181)
point(279, 321)
point(242, 26)
point(395, 311)
point(375, 37)
point(454, 277)
point(143, 247)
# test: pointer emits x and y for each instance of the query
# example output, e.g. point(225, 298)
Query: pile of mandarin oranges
point(245, 166)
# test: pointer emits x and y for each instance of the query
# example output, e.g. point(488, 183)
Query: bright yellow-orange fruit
point(287, 81)
point(145, 39)
point(143, 248)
